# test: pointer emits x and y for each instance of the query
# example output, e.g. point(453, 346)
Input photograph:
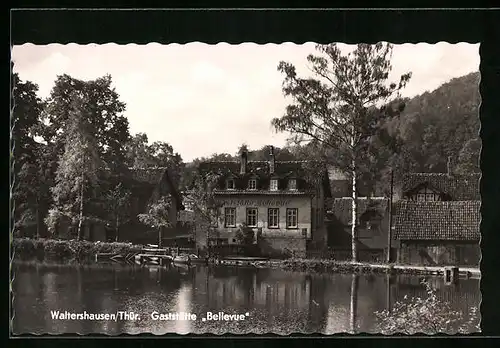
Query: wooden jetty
point(243, 261)
point(152, 255)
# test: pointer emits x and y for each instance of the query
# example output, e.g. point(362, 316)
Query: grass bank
point(333, 266)
point(66, 250)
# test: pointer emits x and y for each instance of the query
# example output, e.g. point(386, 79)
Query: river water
point(270, 300)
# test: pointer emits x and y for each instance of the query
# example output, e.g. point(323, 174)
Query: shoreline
point(333, 266)
point(84, 252)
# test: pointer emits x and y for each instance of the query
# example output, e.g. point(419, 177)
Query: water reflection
point(276, 301)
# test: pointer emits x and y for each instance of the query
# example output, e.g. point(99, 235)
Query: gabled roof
point(458, 187)
point(341, 208)
point(305, 171)
point(448, 220)
point(259, 168)
point(155, 176)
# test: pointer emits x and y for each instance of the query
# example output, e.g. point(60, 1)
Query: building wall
point(339, 235)
point(283, 246)
point(440, 253)
point(272, 241)
point(263, 203)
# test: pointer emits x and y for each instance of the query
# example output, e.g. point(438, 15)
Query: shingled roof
point(306, 172)
point(457, 187)
point(155, 176)
point(449, 220)
point(341, 208)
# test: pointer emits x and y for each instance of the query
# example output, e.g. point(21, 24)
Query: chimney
point(271, 159)
point(243, 161)
point(449, 167)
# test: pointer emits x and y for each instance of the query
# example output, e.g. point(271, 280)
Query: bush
point(427, 315)
point(63, 250)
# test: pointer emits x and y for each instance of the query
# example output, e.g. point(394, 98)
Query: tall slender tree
point(342, 107)
point(201, 199)
point(104, 118)
point(77, 172)
point(118, 203)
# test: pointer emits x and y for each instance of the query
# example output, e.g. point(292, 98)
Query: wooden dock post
point(451, 275)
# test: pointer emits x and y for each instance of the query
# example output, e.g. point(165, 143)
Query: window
point(274, 185)
point(230, 217)
point(273, 218)
point(230, 184)
point(291, 218)
point(252, 184)
point(292, 184)
point(251, 217)
point(426, 195)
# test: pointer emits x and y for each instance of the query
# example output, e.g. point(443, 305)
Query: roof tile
point(458, 187)
point(448, 220)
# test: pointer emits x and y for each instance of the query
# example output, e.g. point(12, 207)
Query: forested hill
point(433, 126)
point(439, 124)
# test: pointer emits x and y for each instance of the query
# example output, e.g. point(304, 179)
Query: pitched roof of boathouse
point(341, 208)
point(456, 187)
point(440, 220)
point(160, 178)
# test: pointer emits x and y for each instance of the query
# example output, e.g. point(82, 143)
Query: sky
point(205, 99)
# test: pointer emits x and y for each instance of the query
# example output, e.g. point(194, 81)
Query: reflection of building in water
point(285, 291)
point(183, 304)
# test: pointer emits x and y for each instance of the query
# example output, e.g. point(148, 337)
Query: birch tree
point(342, 107)
point(77, 173)
point(157, 216)
point(201, 199)
point(118, 204)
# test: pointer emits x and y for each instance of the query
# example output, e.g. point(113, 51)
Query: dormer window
point(252, 184)
point(273, 186)
point(230, 184)
point(292, 184)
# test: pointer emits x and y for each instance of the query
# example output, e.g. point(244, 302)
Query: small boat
point(182, 259)
point(195, 259)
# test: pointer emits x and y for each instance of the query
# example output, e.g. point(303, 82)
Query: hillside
point(442, 123)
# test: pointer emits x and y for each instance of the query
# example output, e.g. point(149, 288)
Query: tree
point(343, 108)
point(201, 199)
point(77, 173)
point(441, 124)
point(29, 189)
point(427, 315)
point(118, 203)
point(157, 216)
point(104, 117)
point(245, 235)
point(468, 158)
point(159, 154)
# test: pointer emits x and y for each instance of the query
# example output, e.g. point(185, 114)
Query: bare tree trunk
point(80, 220)
point(117, 226)
point(354, 218)
point(353, 325)
point(208, 238)
point(37, 219)
point(159, 236)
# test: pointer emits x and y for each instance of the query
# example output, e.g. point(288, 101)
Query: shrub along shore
point(67, 250)
point(84, 252)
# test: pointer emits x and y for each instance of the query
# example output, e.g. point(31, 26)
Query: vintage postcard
point(279, 188)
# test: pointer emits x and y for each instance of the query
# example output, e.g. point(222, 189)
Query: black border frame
point(298, 26)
